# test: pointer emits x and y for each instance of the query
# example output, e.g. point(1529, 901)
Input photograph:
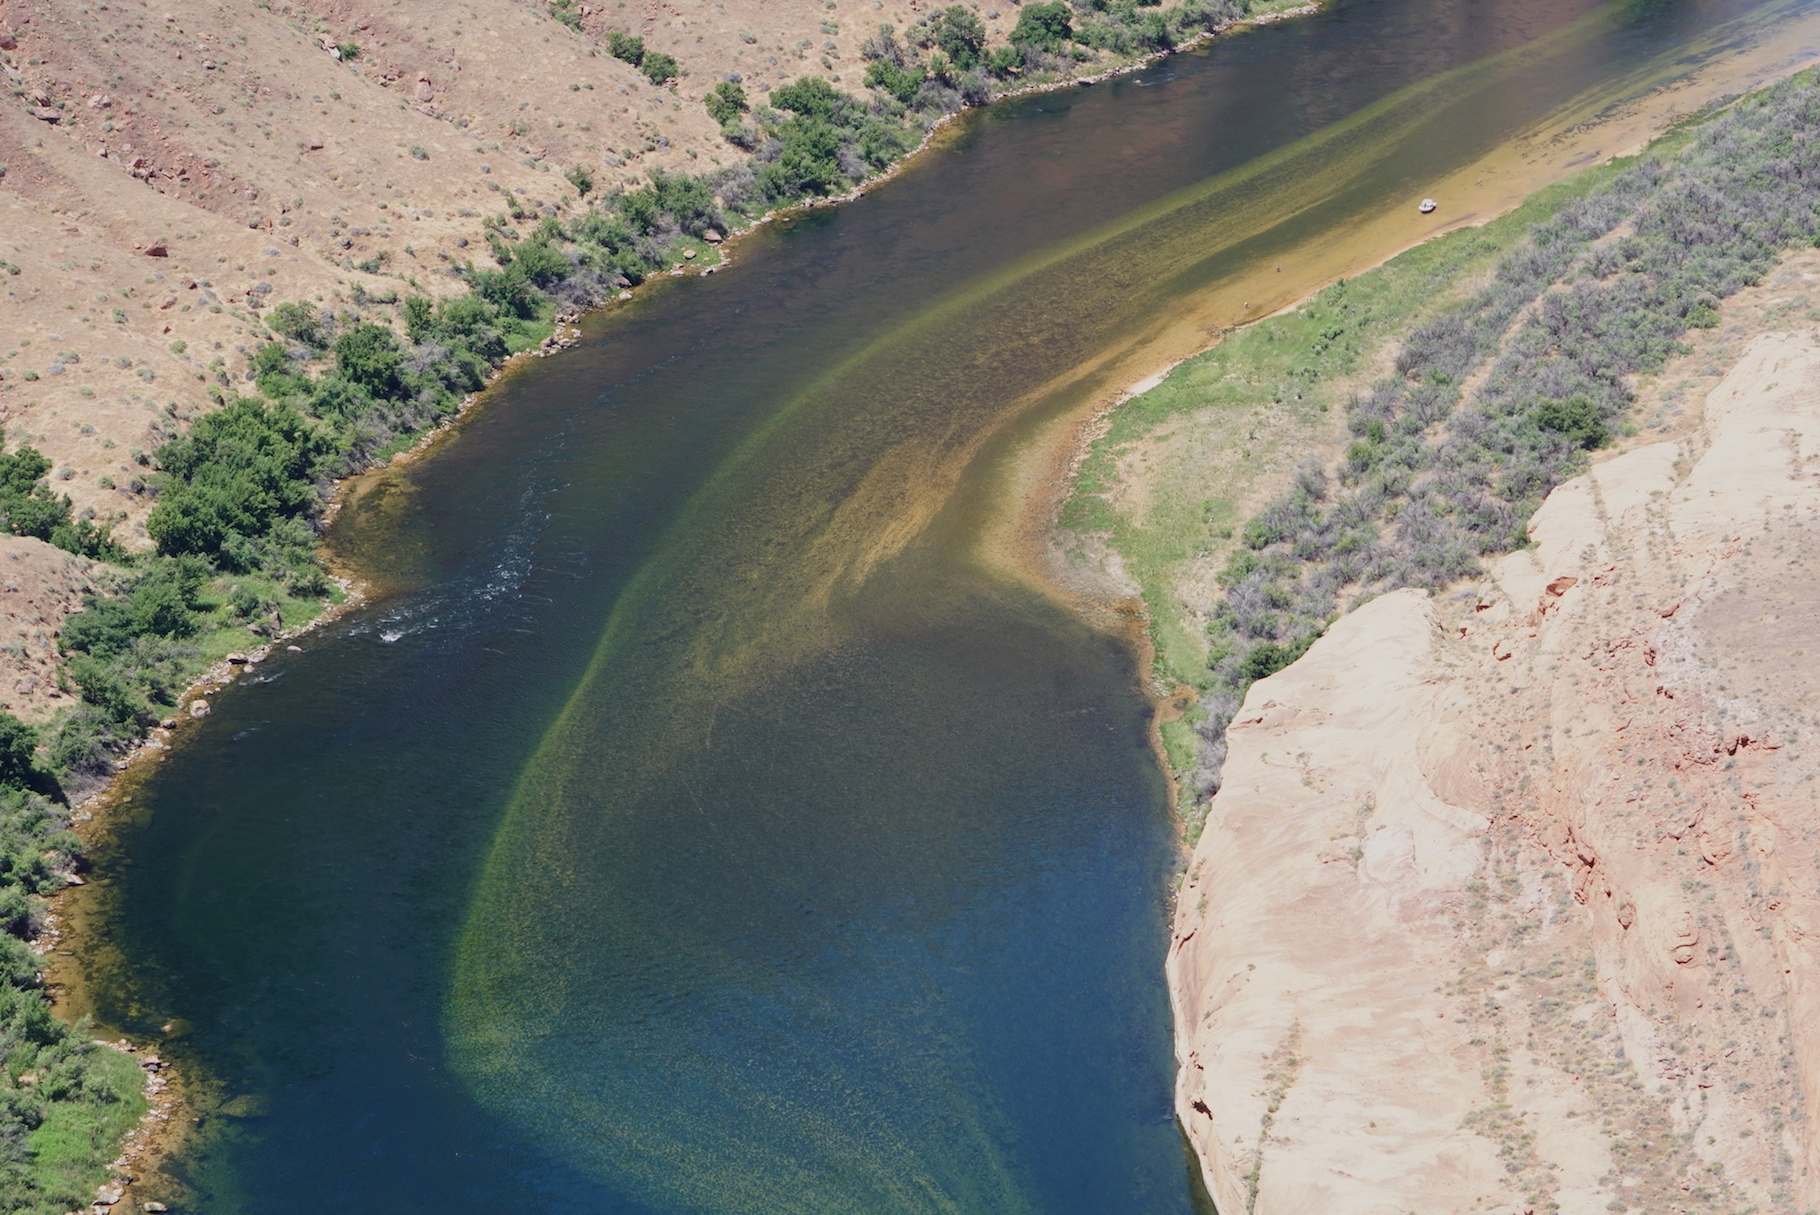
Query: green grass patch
point(1285, 369)
point(71, 1150)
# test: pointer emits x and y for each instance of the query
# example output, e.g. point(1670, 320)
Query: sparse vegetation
point(64, 1100)
point(1431, 483)
point(659, 68)
point(566, 11)
point(726, 102)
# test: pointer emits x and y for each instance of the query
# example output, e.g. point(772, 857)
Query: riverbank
point(1423, 755)
point(1140, 496)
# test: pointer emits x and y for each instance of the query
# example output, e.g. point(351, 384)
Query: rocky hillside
point(171, 170)
point(1508, 900)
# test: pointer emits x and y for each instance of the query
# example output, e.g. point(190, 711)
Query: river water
point(704, 816)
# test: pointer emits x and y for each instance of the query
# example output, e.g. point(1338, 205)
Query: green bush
point(236, 472)
point(627, 47)
point(900, 82)
point(659, 68)
point(726, 102)
point(805, 163)
point(961, 36)
point(29, 507)
point(1045, 27)
point(1003, 61)
point(300, 323)
point(161, 602)
point(1575, 419)
point(812, 97)
point(17, 743)
point(368, 357)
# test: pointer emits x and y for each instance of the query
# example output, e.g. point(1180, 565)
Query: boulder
point(157, 249)
point(713, 236)
point(199, 708)
point(45, 113)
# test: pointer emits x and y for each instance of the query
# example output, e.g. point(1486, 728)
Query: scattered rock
point(153, 1208)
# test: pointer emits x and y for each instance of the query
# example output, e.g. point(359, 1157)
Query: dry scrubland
point(1506, 900)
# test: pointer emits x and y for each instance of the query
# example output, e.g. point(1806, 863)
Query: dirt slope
point(1508, 902)
point(172, 168)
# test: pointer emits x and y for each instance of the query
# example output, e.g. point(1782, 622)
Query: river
point(709, 812)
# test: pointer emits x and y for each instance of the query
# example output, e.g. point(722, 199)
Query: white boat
point(1428, 206)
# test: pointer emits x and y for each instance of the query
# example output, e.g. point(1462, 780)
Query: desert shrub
point(726, 102)
point(629, 48)
point(1576, 419)
point(236, 472)
point(1044, 27)
point(901, 83)
point(961, 36)
point(659, 68)
point(300, 323)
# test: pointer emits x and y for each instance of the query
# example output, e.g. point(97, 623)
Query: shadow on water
point(697, 822)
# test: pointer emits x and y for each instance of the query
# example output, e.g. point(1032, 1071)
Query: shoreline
point(1056, 459)
point(170, 1111)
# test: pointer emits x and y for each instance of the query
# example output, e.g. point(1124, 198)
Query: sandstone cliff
point(1508, 901)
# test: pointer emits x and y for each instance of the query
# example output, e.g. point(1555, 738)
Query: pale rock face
point(1509, 899)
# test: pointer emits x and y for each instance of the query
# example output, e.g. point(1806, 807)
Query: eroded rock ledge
point(1508, 901)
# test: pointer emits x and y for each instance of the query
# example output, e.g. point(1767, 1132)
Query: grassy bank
point(1450, 390)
